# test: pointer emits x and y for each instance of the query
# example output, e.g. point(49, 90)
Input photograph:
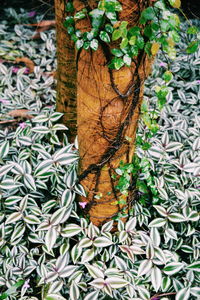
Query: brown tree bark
point(66, 72)
point(108, 105)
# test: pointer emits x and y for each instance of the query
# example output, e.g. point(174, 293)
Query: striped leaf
point(4, 149)
point(5, 169)
point(173, 268)
point(156, 278)
point(71, 230)
point(50, 238)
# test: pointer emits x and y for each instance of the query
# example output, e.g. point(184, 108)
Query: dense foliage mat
point(46, 248)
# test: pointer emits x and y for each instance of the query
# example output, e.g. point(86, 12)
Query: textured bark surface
point(108, 104)
point(66, 72)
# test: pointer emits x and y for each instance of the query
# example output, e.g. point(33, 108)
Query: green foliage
point(159, 28)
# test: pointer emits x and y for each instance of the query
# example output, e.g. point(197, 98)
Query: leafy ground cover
point(46, 248)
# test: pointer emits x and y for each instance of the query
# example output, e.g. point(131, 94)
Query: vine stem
point(161, 295)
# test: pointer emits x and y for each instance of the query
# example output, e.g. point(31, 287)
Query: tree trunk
point(66, 72)
point(108, 105)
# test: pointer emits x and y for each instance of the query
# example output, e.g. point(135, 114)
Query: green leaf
point(192, 47)
point(134, 31)
point(132, 40)
point(80, 14)
point(192, 30)
point(104, 36)
point(140, 42)
point(116, 52)
point(109, 28)
point(124, 43)
point(68, 21)
point(134, 51)
point(69, 7)
point(118, 63)
point(168, 76)
point(12, 289)
point(147, 15)
point(116, 34)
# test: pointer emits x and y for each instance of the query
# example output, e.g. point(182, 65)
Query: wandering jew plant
point(47, 249)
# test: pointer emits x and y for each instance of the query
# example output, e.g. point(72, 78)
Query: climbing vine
point(155, 28)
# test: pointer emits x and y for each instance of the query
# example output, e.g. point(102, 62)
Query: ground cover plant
point(48, 250)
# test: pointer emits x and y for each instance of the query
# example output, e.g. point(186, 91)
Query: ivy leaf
point(68, 21)
point(118, 63)
point(127, 60)
point(97, 17)
point(79, 44)
point(94, 44)
point(140, 42)
point(132, 40)
point(147, 15)
point(134, 50)
point(69, 7)
point(116, 34)
point(109, 28)
point(134, 31)
point(80, 14)
point(116, 52)
point(124, 43)
point(104, 36)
